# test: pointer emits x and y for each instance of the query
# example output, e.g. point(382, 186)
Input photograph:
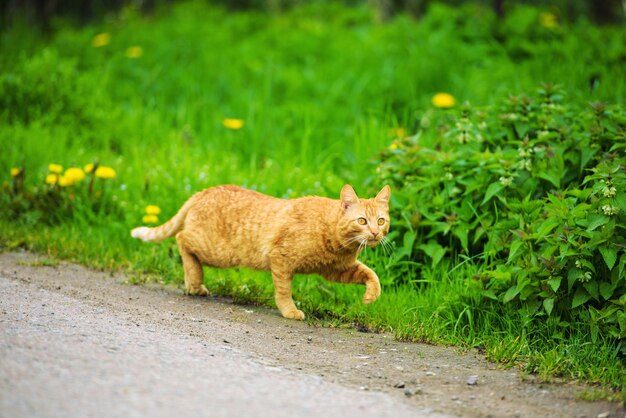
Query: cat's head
point(365, 222)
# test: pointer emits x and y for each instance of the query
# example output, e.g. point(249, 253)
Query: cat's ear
point(383, 196)
point(348, 197)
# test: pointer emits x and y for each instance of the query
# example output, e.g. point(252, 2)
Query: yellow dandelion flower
point(52, 179)
point(100, 40)
point(548, 20)
point(73, 175)
point(55, 168)
point(64, 181)
point(153, 210)
point(397, 132)
point(134, 52)
point(233, 123)
point(88, 168)
point(150, 219)
point(443, 100)
point(15, 171)
point(105, 172)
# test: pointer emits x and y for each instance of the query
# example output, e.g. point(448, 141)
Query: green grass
point(319, 89)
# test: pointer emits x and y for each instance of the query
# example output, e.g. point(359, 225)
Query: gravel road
point(79, 343)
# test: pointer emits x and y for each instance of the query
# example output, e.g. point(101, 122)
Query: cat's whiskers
point(351, 241)
point(389, 246)
point(346, 244)
point(386, 245)
point(362, 244)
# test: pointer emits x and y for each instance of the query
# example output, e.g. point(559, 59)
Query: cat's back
point(226, 193)
point(229, 225)
point(230, 203)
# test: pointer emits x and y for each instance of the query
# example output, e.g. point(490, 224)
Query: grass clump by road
point(508, 185)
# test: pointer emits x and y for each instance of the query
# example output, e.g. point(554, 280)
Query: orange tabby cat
point(228, 226)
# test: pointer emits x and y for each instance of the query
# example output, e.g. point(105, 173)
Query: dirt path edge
point(440, 379)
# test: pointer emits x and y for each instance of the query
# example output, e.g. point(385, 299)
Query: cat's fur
point(228, 226)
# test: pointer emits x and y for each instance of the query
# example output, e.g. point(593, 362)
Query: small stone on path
point(472, 380)
point(408, 392)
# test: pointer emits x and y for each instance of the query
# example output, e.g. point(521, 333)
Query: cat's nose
point(375, 233)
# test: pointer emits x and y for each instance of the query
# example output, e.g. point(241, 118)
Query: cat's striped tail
point(168, 229)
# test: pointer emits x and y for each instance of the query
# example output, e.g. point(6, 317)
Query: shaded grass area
point(320, 90)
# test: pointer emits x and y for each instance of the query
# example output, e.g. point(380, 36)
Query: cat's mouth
point(373, 241)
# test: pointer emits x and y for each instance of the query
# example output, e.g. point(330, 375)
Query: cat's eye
point(381, 221)
point(362, 221)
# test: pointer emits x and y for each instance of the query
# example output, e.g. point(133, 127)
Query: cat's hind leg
point(283, 295)
point(192, 268)
point(358, 273)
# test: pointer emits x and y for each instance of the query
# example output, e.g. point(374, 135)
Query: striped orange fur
point(229, 226)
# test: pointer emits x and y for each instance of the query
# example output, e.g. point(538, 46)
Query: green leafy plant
point(533, 190)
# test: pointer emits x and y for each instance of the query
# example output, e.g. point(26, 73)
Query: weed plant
point(533, 191)
point(302, 102)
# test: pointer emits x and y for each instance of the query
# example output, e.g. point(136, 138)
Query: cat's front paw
point(294, 314)
point(198, 291)
point(372, 292)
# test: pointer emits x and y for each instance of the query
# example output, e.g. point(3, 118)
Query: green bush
point(533, 190)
